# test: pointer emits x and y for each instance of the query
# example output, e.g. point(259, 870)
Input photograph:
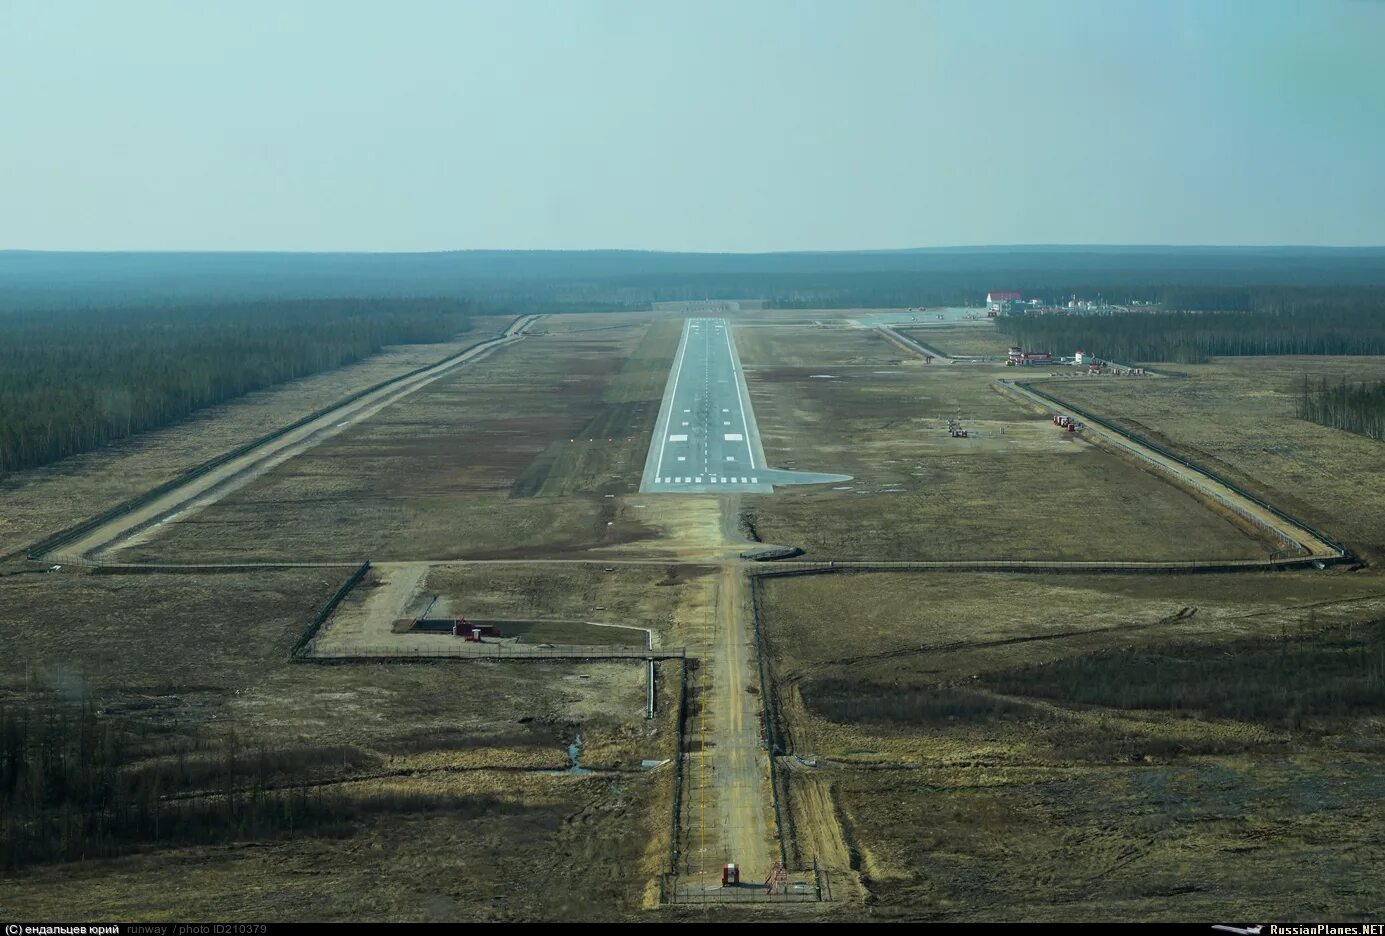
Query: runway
point(705, 439)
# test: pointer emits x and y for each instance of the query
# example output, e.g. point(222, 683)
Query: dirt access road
point(912, 346)
point(727, 807)
point(208, 488)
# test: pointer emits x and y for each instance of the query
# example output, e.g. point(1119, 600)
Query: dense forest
point(146, 348)
point(1228, 278)
point(1305, 326)
point(76, 380)
point(1358, 408)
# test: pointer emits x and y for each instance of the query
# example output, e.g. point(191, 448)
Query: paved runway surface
point(705, 438)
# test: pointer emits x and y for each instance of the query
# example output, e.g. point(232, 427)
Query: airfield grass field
point(1089, 747)
point(1236, 416)
point(975, 340)
point(209, 654)
point(817, 347)
point(954, 746)
point(386, 773)
point(403, 850)
point(537, 450)
point(36, 503)
point(1016, 488)
point(512, 457)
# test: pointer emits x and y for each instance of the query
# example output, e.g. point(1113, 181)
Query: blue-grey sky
point(689, 124)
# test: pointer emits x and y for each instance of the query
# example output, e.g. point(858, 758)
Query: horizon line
point(709, 253)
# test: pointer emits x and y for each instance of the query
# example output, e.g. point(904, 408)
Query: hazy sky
point(689, 125)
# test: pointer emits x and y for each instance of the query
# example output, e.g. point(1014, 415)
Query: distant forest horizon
point(1209, 277)
point(97, 347)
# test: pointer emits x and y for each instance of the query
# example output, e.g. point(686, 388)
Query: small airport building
point(1018, 357)
point(1002, 301)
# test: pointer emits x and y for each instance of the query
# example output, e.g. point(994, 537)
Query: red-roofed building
point(1018, 357)
point(1002, 301)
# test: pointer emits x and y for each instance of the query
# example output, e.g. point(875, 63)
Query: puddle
point(574, 753)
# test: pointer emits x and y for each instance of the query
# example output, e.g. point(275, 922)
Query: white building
point(1001, 301)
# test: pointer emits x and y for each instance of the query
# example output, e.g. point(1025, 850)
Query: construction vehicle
point(730, 875)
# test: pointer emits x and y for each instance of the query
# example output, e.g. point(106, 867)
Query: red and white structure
point(1001, 301)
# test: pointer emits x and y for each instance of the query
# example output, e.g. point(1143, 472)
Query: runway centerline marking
point(700, 431)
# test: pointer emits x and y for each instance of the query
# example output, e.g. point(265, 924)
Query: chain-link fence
point(468, 650)
point(1277, 559)
point(803, 887)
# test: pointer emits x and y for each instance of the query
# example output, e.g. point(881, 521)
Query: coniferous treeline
point(1193, 337)
point(76, 380)
point(1358, 407)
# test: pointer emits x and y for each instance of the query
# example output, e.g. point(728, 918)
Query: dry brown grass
point(467, 467)
point(35, 503)
point(964, 340)
point(193, 654)
point(1236, 416)
point(1229, 839)
point(995, 806)
point(911, 628)
point(1009, 807)
point(1016, 488)
point(768, 349)
point(539, 848)
point(188, 659)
